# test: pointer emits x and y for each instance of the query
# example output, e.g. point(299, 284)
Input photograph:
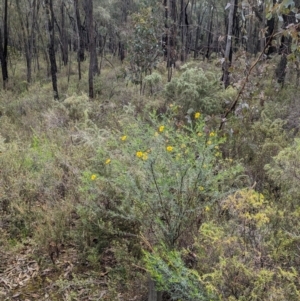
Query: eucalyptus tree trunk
point(285, 46)
point(228, 49)
point(3, 45)
point(63, 35)
point(51, 45)
point(28, 32)
point(93, 67)
point(170, 39)
point(209, 37)
point(269, 34)
point(80, 41)
point(198, 31)
point(184, 29)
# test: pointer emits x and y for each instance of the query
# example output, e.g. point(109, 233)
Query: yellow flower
point(161, 128)
point(217, 154)
point(107, 161)
point(212, 134)
point(201, 188)
point(200, 134)
point(216, 147)
point(93, 177)
point(145, 156)
point(170, 148)
point(208, 142)
point(207, 209)
point(139, 154)
point(197, 115)
point(123, 138)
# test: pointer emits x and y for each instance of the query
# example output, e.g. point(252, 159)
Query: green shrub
point(163, 176)
point(170, 274)
point(196, 89)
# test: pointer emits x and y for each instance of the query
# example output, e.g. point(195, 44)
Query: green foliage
point(256, 142)
point(153, 82)
point(232, 251)
point(144, 45)
point(285, 169)
point(103, 174)
point(283, 172)
point(78, 107)
point(171, 275)
point(165, 173)
point(196, 89)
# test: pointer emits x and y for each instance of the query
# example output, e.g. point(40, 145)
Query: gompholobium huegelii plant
point(159, 178)
point(166, 174)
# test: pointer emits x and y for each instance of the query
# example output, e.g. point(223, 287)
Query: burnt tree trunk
point(3, 45)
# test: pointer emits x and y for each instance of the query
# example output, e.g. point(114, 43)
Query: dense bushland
point(135, 186)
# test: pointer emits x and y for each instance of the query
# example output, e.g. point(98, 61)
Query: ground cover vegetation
point(149, 150)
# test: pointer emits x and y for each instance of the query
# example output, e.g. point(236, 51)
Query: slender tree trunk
point(44, 49)
point(198, 31)
point(79, 32)
point(209, 38)
point(269, 33)
point(64, 40)
point(27, 34)
point(228, 49)
point(93, 67)
point(51, 49)
point(80, 44)
point(3, 45)
point(182, 31)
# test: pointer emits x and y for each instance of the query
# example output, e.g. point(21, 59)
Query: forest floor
point(23, 278)
point(26, 275)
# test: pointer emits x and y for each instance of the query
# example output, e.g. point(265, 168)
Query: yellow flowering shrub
point(160, 175)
